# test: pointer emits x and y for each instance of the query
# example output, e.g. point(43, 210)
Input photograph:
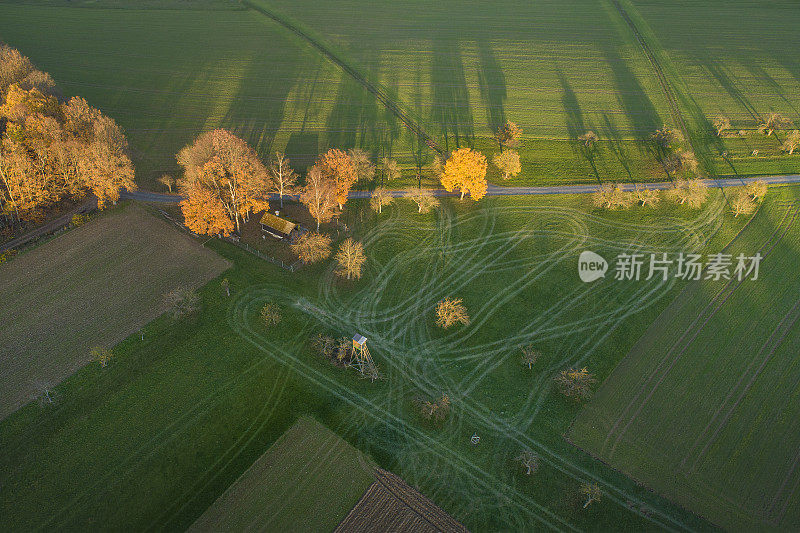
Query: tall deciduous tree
point(351, 259)
point(792, 142)
point(465, 170)
point(451, 311)
point(743, 204)
point(774, 122)
point(319, 195)
point(691, 192)
point(721, 124)
point(362, 162)
point(757, 189)
point(391, 170)
point(284, 178)
point(576, 383)
point(223, 166)
point(335, 165)
point(507, 163)
point(167, 181)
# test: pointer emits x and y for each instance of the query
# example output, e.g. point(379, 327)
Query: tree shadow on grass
point(450, 107)
point(617, 146)
point(492, 82)
point(576, 124)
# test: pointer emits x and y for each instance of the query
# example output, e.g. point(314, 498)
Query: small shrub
point(79, 219)
point(270, 314)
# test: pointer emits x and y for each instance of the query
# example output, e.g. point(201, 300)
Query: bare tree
point(226, 285)
point(592, 493)
point(721, 124)
point(319, 195)
point(270, 314)
point(101, 355)
point(284, 178)
point(588, 139)
point(182, 302)
point(507, 163)
point(611, 196)
point(451, 311)
point(576, 384)
point(529, 460)
point(792, 142)
point(773, 123)
point(666, 137)
point(351, 259)
point(391, 170)
point(530, 355)
point(757, 189)
point(365, 170)
point(380, 197)
point(647, 197)
point(312, 247)
point(508, 135)
point(167, 181)
point(691, 192)
point(437, 410)
point(743, 204)
point(424, 199)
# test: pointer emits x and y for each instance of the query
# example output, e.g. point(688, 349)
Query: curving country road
point(494, 190)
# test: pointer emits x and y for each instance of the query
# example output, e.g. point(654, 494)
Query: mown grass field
point(704, 408)
point(155, 438)
point(307, 481)
point(92, 286)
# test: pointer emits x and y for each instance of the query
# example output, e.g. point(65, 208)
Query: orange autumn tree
point(465, 170)
point(338, 166)
point(221, 172)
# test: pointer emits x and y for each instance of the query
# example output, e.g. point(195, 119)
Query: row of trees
point(51, 149)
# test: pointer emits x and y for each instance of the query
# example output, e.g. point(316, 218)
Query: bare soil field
point(93, 286)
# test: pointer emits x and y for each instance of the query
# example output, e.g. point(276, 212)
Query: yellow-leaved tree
point(465, 170)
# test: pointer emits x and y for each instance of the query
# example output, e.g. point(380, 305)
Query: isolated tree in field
point(691, 192)
point(351, 259)
point(424, 199)
point(508, 135)
point(721, 124)
point(336, 166)
point(666, 138)
point(381, 197)
point(647, 197)
point(101, 355)
point(792, 142)
point(312, 247)
point(507, 163)
point(465, 170)
point(167, 181)
point(757, 189)
point(611, 196)
point(362, 162)
point(588, 139)
point(391, 169)
point(530, 355)
point(182, 302)
point(204, 214)
point(774, 122)
point(437, 166)
point(226, 286)
point(529, 461)
point(436, 411)
point(284, 178)
point(685, 162)
point(451, 311)
point(270, 314)
point(319, 195)
point(743, 204)
point(575, 383)
point(221, 166)
point(592, 493)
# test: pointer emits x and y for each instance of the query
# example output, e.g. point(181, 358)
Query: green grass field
point(112, 273)
point(154, 439)
point(307, 481)
point(704, 408)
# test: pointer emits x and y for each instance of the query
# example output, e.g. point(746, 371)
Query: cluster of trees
point(774, 123)
point(51, 149)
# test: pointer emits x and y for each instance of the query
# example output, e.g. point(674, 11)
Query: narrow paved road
point(494, 190)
